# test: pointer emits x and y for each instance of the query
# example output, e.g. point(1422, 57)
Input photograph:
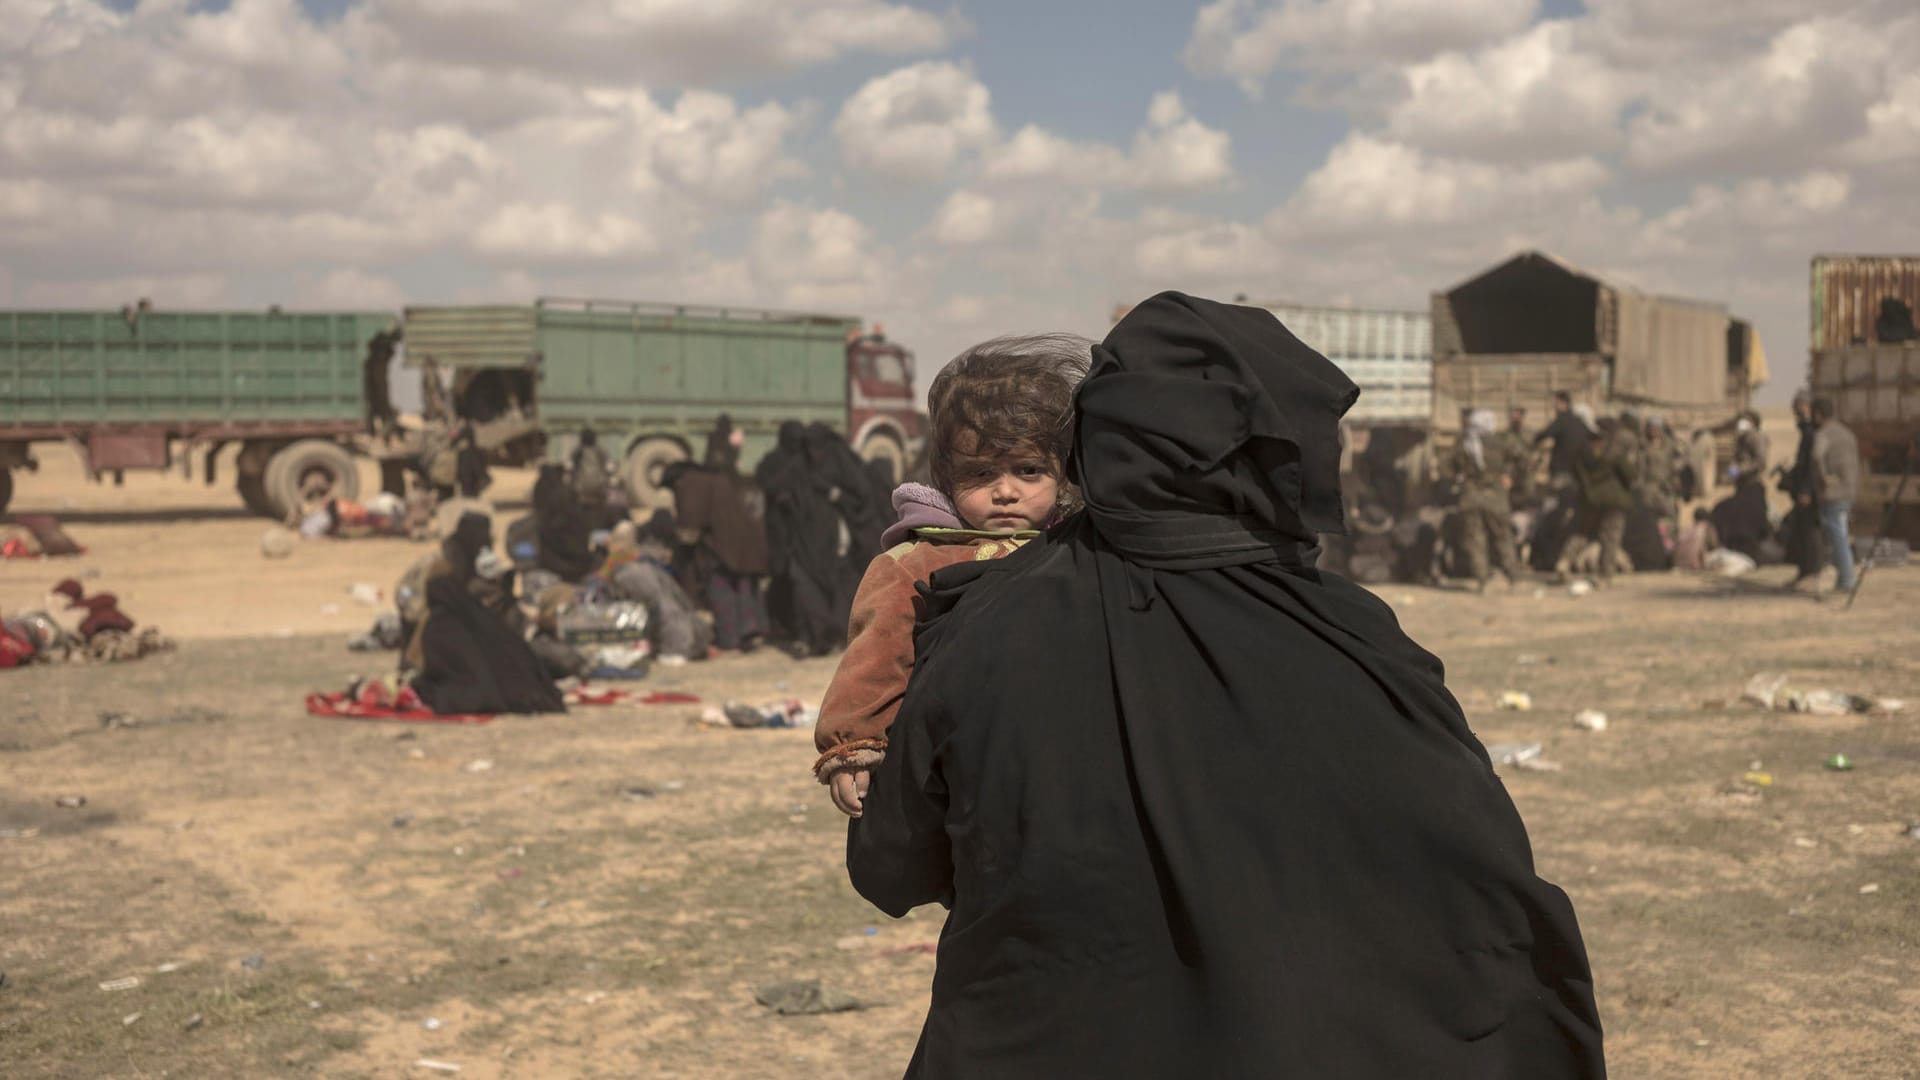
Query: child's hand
point(848, 789)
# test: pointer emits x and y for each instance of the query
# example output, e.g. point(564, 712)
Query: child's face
point(1006, 494)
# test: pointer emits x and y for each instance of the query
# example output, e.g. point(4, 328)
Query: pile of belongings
point(611, 634)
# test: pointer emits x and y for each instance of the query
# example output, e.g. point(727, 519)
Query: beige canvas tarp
point(1670, 352)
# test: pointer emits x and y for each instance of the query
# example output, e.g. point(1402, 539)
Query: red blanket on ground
point(372, 701)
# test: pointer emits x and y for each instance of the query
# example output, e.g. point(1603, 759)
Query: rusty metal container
point(1847, 291)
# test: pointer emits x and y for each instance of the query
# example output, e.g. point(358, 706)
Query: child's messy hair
point(1006, 396)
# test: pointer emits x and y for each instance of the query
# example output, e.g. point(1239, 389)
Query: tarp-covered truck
point(300, 392)
point(651, 379)
point(1866, 358)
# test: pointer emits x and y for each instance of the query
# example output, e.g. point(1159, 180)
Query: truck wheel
point(6, 487)
point(310, 466)
point(250, 475)
point(881, 446)
point(641, 473)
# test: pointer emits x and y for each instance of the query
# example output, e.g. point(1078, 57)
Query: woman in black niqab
point(563, 527)
point(803, 545)
point(472, 662)
point(1197, 808)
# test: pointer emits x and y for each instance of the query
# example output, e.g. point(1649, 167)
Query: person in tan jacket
point(1002, 417)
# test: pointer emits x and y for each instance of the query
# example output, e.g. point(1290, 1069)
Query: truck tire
point(882, 446)
point(6, 487)
point(641, 472)
point(250, 475)
point(310, 461)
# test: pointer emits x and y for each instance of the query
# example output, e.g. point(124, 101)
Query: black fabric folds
point(563, 526)
point(1197, 808)
point(471, 661)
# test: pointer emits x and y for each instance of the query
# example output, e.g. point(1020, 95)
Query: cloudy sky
point(955, 170)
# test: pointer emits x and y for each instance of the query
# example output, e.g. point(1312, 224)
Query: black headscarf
point(1199, 809)
point(803, 543)
point(472, 661)
point(563, 527)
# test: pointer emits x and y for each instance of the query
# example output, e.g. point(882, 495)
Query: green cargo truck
point(651, 379)
point(299, 392)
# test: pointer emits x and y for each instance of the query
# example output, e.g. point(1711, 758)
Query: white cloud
point(914, 123)
point(1247, 40)
point(1172, 152)
point(560, 232)
point(1536, 95)
point(349, 288)
point(1176, 152)
point(163, 290)
point(1806, 94)
point(967, 218)
point(1372, 185)
point(674, 42)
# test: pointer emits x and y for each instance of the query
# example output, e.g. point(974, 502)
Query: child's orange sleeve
point(871, 681)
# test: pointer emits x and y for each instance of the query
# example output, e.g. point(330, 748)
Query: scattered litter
point(1869, 889)
point(637, 792)
point(167, 968)
point(789, 713)
point(593, 998)
point(131, 1019)
point(1729, 563)
point(19, 834)
point(436, 1066)
point(1580, 588)
point(673, 785)
point(70, 802)
point(477, 765)
point(127, 983)
point(1527, 659)
point(432, 1023)
point(1590, 720)
point(313, 1005)
point(329, 609)
point(1522, 756)
point(1856, 830)
point(1539, 594)
point(1913, 831)
point(254, 962)
point(1515, 701)
point(401, 821)
point(278, 542)
point(930, 948)
point(193, 1021)
point(1840, 763)
point(1805, 842)
point(805, 998)
point(365, 594)
point(1763, 779)
point(509, 873)
point(1772, 690)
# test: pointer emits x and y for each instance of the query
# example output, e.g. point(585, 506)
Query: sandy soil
point(326, 887)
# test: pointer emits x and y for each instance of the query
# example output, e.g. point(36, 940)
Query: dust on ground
point(604, 898)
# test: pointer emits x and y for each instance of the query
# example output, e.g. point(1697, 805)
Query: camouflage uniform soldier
point(1660, 472)
point(1519, 450)
point(1608, 474)
point(1483, 466)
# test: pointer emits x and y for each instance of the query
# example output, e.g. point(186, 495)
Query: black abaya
point(1198, 809)
point(803, 538)
point(563, 527)
point(472, 661)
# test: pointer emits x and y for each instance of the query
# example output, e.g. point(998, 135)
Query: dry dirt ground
point(313, 891)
